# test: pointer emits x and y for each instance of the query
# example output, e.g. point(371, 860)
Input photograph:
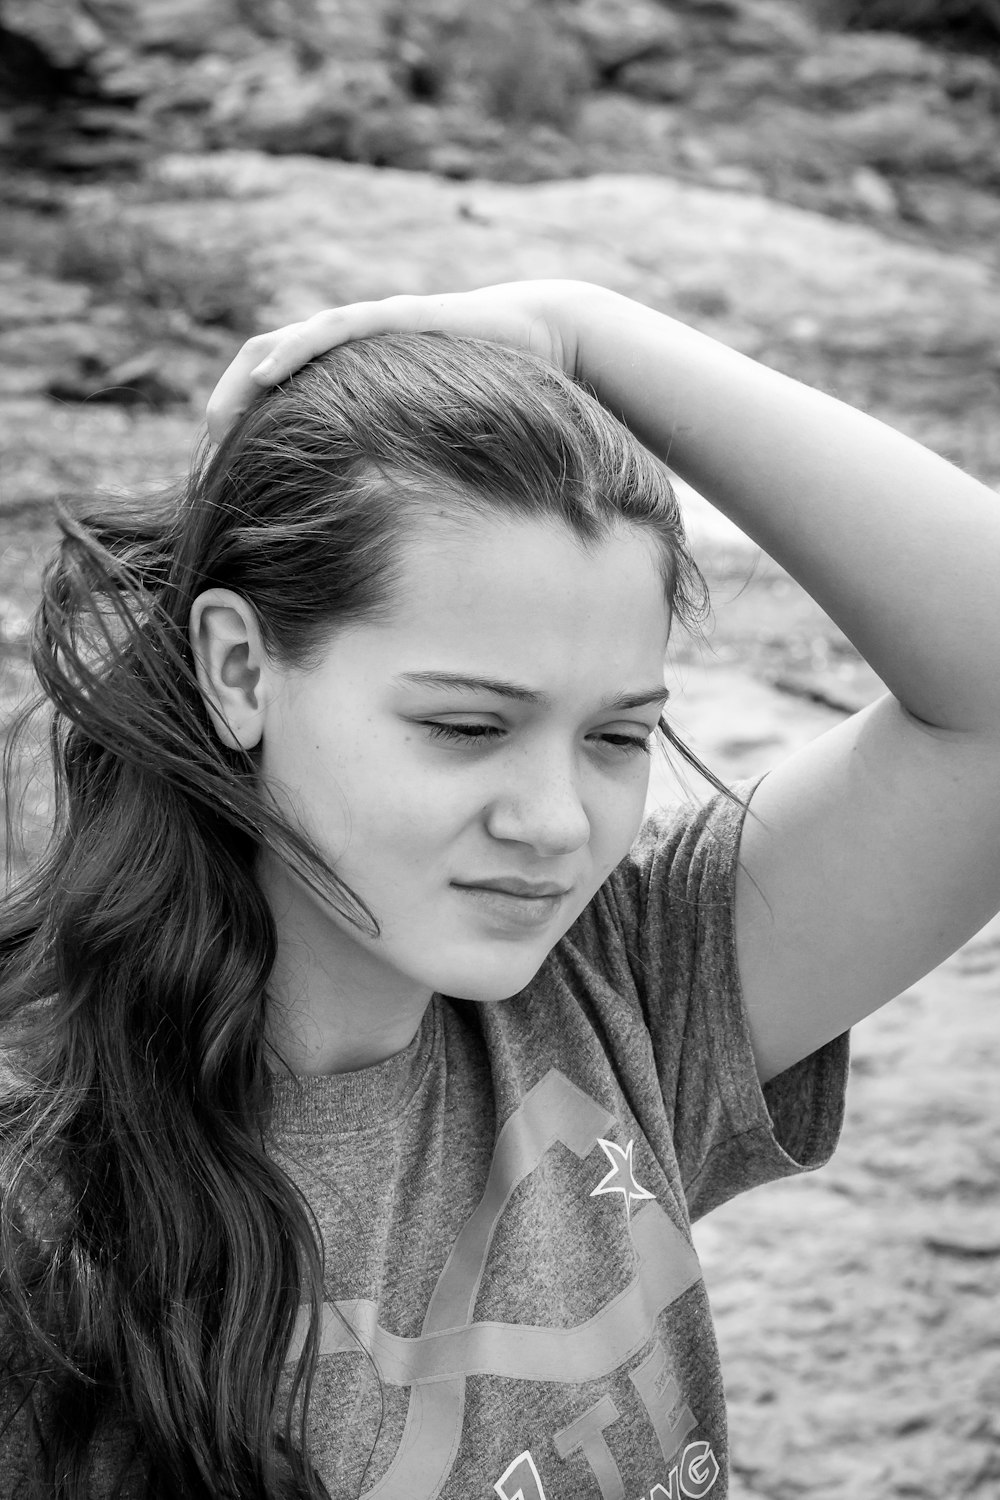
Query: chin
point(484, 988)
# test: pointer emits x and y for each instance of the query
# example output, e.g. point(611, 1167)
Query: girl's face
point(475, 764)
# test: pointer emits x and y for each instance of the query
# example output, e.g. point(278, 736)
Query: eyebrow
point(458, 681)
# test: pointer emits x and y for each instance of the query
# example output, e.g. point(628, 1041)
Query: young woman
point(367, 1063)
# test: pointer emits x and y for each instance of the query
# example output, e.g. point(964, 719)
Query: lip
point(515, 885)
point(511, 906)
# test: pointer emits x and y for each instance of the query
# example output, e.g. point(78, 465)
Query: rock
point(270, 102)
point(902, 135)
point(874, 193)
point(949, 209)
point(667, 78)
point(968, 77)
point(185, 28)
point(67, 35)
point(94, 155)
point(452, 161)
point(111, 119)
point(855, 70)
point(405, 135)
point(62, 340)
point(735, 179)
point(770, 26)
point(748, 83)
point(26, 298)
point(139, 381)
point(120, 77)
point(617, 32)
point(97, 86)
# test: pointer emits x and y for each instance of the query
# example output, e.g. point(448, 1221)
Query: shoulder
point(678, 874)
point(661, 923)
point(659, 935)
point(699, 836)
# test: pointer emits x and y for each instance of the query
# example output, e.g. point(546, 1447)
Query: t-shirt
point(514, 1306)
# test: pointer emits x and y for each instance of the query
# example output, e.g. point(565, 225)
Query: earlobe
point(231, 662)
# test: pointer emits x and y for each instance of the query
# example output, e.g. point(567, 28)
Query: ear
point(232, 665)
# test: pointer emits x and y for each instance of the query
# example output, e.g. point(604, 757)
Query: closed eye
point(469, 733)
point(628, 744)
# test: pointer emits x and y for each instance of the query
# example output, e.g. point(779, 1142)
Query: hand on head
point(533, 315)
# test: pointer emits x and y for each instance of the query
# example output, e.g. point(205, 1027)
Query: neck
point(305, 1041)
point(335, 1007)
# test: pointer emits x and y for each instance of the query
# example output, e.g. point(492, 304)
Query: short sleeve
point(673, 900)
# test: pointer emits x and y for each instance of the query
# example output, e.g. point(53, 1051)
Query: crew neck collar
point(338, 1102)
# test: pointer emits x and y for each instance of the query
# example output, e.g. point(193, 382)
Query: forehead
point(527, 600)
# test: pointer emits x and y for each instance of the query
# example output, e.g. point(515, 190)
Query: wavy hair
point(154, 1257)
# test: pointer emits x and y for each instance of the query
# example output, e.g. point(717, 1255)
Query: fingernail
point(264, 370)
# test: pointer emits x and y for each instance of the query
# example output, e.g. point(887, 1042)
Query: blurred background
point(817, 183)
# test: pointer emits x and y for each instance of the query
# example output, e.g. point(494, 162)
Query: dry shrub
point(133, 263)
point(531, 71)
point(512, 59)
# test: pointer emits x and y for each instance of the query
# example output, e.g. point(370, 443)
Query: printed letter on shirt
point(520, 1481)
point(586, 1435)
point(661, 1397)
point(436, 1364)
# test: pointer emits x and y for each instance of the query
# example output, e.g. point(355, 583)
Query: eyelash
point(468, 734)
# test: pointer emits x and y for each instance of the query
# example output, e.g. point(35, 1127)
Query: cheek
point(317, 778)
point(372, 803)
point(616, 815)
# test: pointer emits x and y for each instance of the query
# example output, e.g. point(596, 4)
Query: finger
point(269, 358)
point(235, 389)
point(301, 342)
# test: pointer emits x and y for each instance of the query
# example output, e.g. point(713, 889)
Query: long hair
point(153, 1257)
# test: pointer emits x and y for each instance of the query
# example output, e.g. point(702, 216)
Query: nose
point(540, 805)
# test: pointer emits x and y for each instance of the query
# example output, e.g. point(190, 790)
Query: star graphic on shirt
point(621, 1178)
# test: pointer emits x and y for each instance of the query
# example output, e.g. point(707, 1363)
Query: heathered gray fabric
point(513, 1301)
point(521, 1314)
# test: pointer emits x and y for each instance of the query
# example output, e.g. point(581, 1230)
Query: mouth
point(514, 905)
point(514, 885)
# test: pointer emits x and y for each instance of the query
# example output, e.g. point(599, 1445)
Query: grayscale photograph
point(500, 713)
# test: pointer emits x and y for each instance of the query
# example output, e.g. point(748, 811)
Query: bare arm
point(875, 851)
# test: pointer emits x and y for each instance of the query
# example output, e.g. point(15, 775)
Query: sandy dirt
point(858, 1309)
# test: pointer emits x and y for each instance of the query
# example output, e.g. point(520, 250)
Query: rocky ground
point(857, 1310)
point(814, 102)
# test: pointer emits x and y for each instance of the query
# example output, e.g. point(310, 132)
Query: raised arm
point(875, 851)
